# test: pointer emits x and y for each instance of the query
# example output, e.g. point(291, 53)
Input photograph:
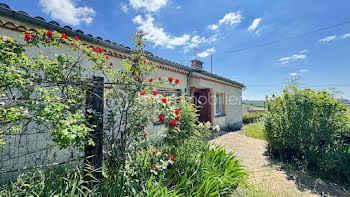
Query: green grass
point(255, 130)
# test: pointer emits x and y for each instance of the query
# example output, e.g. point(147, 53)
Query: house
point(220, 98)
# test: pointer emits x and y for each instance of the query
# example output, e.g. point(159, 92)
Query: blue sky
point(176, 26)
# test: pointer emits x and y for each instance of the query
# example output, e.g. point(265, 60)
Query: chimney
point(196, 64)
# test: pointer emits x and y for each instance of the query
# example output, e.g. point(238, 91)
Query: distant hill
point(252, 103)
point(345, 102)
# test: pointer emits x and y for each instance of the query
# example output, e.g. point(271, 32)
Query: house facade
point(220, 99)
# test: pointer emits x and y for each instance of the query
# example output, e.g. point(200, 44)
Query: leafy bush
point(310, 128)
point(252, 117)
point(255, 130)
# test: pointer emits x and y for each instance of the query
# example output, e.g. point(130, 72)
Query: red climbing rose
point(64, 36)
point(161, 118)
point(100, 50)
point(49, 34)
point(178, 118)
point(111, 64)
point(94, 49)
point(177, 81)
point(107, 58)
point(159, 78)
point(153, 166)
point(154, 153)
point(171, 158)
point(155, 93)
point(144, 135)
point(164, 100)
point(76, 38)
point(172, 123)
point(170, 79)
point(143, 93)
point(27, 37)
point(177, 111)
point(134, 78)
point(150, 80)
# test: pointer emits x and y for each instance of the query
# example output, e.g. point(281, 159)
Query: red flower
point(76, 38)
point(107, 58)
point(171, 158)
point(170, 79)
point(154, 153)
point(150, 80)
point(177, 81)
point(100, 50)
point(161, 118)
point(140, 32)
point(143, 93)
point(155, 93)
point(143, 127)
point(108, 86)
point(150, 62)
point(134, 78)
point(164, 100)
point(27, 37)
point(94, 49)
point(178, 126)
point(153, 166)
point(177, 111)
point(64, 36)
point(144, 135)
point(172, 123)
point(172, 103)
point(111, 64)
point(159, 78)
point(178, 118)
point(49, 34)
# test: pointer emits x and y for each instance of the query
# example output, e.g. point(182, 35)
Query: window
point(219, 104)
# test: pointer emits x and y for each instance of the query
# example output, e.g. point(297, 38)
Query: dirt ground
point(268, 175)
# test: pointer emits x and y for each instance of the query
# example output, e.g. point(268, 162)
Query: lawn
point(255, 130)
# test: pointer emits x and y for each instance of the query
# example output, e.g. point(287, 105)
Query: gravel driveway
point(268, 176)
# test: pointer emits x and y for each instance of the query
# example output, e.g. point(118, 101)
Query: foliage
point(256, 130)
point(310, 128)
point(252, 117)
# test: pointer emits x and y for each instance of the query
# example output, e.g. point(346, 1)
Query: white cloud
point(178, 7)
point(196, 40)
point(293, 74)
point(328, 39)
point(296, 56)
point(148, 5)
point(124, 7)
point(230, 18)
point(67, 11)
point(304, 51)
point(207, 52)
point(213, 27)
point(346, 35)
point(303, 71)
point(157, 35)
point(255, 24)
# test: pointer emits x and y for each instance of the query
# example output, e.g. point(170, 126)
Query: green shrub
point(309, 128)
point(252, 117)
point(255, 130)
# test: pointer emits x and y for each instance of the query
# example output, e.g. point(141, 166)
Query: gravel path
point(268, 175)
